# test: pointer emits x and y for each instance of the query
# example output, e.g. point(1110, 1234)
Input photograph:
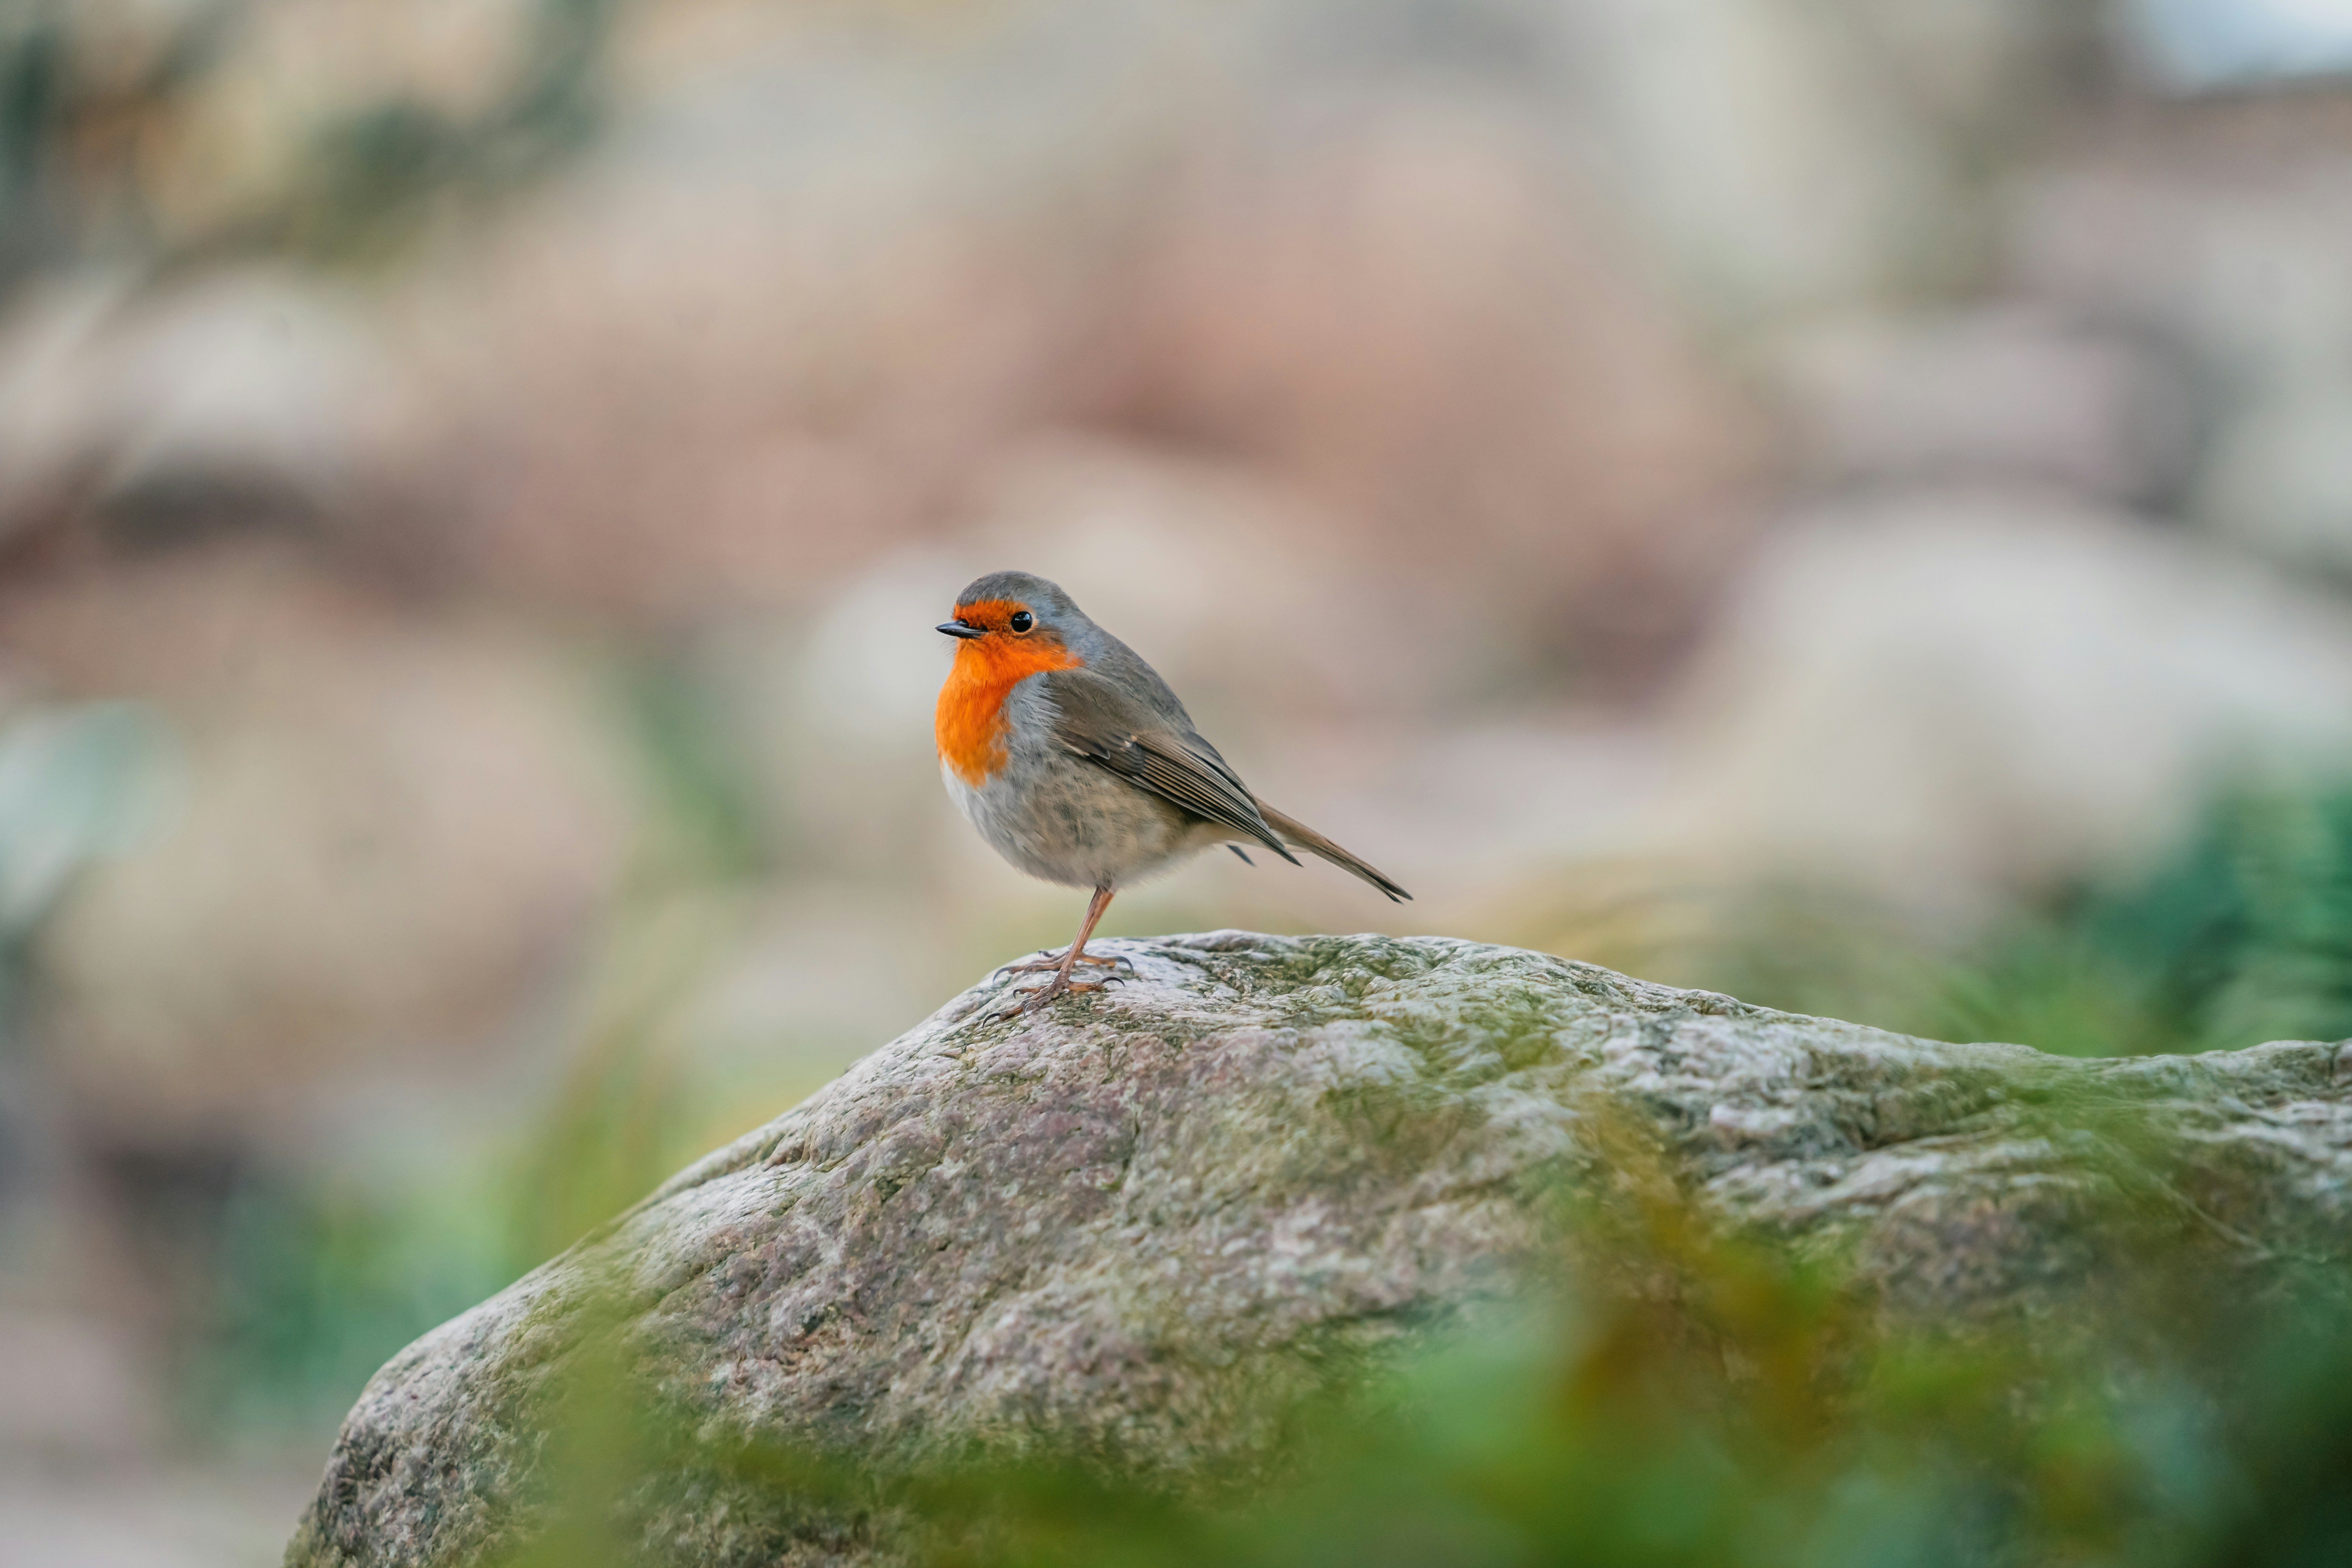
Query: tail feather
point(1299, 836)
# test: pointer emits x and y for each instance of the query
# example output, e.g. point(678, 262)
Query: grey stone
point(1121, 1227)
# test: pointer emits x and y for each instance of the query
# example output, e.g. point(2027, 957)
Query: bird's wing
point(1095, 720)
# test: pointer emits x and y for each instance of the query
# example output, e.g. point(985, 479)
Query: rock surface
point(1121, 1226)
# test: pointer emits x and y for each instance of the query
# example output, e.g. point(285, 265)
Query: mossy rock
point(1134, 1228)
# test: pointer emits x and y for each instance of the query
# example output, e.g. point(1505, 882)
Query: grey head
point(1024, 607)
point(1021, 604)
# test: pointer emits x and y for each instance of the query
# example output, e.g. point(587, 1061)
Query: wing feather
point(1095, 721)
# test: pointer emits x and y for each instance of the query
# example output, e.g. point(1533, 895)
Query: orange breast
point(970, 722)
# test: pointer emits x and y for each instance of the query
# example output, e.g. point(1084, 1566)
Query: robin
point(1079, 765)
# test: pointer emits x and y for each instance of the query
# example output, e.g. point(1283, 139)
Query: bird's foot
point(1037, 998)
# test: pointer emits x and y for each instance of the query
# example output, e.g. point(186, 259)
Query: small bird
point(1079, 765)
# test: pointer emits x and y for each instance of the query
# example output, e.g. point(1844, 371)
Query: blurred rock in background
point(1952, 699)
point(1806, 499)
point(2019, 393)
point(350, 780)
point(137, 419)
point(2225, 238)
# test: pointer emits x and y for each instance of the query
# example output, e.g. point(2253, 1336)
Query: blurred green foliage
point(378, 170)
point(318, 1283)
point(96, 107)
point(76, 783)
point(2243, 934)
point(704, 821)
point(315, 1286)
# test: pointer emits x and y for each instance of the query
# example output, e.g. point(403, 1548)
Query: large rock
point(1122, 1227)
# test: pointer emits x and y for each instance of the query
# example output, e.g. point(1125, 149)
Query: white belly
point(1072, 823)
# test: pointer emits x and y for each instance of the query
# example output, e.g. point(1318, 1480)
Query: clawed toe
point(1037, 998)
point(1033, 1000)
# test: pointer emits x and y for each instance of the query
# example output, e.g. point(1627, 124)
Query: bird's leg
point(1060, 962)
point(1037, 996)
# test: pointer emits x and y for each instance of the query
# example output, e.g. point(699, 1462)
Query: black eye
point(1021, 621)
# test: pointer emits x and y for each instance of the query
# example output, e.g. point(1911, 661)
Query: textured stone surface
point(1121, 1227)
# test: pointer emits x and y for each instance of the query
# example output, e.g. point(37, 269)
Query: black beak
point(958, 630)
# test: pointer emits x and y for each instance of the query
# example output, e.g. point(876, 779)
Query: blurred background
point(1844, 502)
